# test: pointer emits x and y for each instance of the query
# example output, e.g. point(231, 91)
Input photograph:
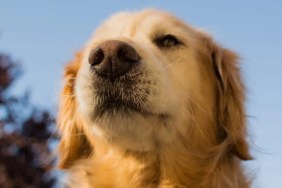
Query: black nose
point(113, 58)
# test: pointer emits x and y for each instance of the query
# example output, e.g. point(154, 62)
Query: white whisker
point(194, 120)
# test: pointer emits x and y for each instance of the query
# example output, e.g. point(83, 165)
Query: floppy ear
point(230, 101)
point(73, 144)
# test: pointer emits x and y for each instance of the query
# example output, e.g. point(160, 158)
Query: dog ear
point(73, 144)
point(230, 100)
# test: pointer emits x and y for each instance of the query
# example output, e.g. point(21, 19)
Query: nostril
point(96, 57)
point(127, 53)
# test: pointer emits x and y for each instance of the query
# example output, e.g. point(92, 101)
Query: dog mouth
point(113, 106)
point(126, 94)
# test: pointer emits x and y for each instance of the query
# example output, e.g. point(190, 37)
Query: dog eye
point(167, 41)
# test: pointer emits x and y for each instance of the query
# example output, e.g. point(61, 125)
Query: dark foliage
point(25, 135)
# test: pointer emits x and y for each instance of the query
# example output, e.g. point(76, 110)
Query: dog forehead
point(131, 23)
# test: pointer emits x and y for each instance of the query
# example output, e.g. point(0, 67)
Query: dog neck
point(171, 166)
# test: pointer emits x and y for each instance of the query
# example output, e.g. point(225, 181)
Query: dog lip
point(113, 106)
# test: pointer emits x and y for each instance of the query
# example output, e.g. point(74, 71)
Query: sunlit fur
point(194, 134)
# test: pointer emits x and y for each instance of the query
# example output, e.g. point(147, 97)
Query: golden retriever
point(152, 102)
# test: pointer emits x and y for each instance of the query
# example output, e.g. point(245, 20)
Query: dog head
point(147, 79)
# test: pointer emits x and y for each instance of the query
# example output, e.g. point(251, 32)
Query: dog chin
point(125, 124)
point(127, 128)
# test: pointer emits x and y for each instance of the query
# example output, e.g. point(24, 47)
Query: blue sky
point(43, 35)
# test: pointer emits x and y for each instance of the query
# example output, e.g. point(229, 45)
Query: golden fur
point(195, 133)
